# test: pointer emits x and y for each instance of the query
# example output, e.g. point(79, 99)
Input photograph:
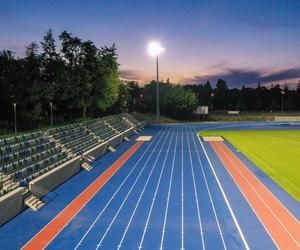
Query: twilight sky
point(241, 41)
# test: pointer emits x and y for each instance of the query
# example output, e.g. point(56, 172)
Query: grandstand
point(33, 164)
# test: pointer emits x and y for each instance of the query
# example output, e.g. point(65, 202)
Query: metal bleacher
point(26, 157)
point(73, 138)
point(117, 123)
point(100, 129)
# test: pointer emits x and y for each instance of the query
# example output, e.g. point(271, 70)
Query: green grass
point(277, 153)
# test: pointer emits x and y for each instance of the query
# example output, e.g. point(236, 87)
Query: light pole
point(282, 94)
point(155, 49)
point(212, 100)
point(15, 117)
point(51, 113)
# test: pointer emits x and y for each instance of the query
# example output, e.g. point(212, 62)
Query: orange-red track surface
point(281, 225)
point(52, 229)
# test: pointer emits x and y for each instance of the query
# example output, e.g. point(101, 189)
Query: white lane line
point(127, 195)
point(259, 196)
point(196, 191)
point(210, 198)
point(169, 193)
point(223, 193)
point(117, 191)
point(140, 196)
point(182, 195)
point(256, 214)
point(244, 126)
point(155, 193)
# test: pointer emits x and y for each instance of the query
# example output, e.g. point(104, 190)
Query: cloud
point(239, 77)
point(133, 75)
point(130, 74)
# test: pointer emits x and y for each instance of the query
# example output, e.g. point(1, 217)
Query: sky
point(241, 41)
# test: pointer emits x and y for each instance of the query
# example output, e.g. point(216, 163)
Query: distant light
point(155, 49)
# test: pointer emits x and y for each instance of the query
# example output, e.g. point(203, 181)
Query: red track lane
point(53, 228)
point(281, 225)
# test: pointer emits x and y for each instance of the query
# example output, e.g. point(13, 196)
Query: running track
point(175, 192)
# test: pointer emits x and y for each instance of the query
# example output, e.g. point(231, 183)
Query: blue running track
point(173, 193)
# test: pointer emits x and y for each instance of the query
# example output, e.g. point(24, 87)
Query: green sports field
point(277, 153)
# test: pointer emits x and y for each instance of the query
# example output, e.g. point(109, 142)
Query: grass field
point(277, 153)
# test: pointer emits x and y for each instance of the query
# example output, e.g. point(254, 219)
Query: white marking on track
point(124, 201)
point(155, 193)
point(210, 197)
point(223, 193)
point(261, 198)
point(141, 195)
point(116, 192)
point(196, 192)
point(182, 195)
point(168, 197)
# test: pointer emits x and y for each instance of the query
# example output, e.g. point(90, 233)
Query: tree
point(179, 102)
point(52, 69)
point(106, 90)
point(221, 85)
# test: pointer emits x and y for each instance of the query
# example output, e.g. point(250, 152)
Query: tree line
point(179, 101)
point(259, 98)
point(79, 80)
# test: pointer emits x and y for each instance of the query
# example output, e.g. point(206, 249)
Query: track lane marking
point(141, 195)
point(169, 194)
point(45, 236)
point(246, 245)
point(126, 197)
point(283, 209)
point(195, 191)
point(119, 188)
point(284, 236)
point(182, 195)
point(155, 193)
point(208, 191)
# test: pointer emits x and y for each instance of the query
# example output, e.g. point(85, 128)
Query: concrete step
point(3, 178)
point(111, 149)
point(10, 185)
point(7, 184)
point(86, 166)
point(89, 158)
point(34, 203)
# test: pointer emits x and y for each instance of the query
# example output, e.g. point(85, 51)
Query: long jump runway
point(174, 192)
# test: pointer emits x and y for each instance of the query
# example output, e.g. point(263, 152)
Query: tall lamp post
point(212, 100)
point(155, 49)
point(282, 94)
point(15, 117)
point(51, 113)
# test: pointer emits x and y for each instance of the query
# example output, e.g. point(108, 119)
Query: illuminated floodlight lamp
point(155, 49)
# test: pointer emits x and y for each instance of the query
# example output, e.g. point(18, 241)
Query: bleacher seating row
point(25, 157)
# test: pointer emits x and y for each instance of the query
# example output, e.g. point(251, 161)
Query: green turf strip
point(277, 153)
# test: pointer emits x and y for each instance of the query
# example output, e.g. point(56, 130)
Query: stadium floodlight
point(282, 94)
point(51, 113)
point(15, 117)
point(212, 100)
point(155, 49)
